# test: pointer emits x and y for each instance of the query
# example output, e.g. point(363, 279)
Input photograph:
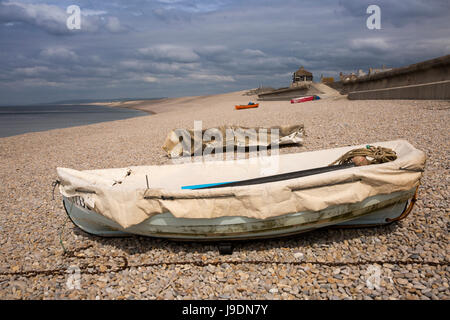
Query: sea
point(16, 120)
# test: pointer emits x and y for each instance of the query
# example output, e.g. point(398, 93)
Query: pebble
point(299, 256)
point(273, 290)
point(109, 290)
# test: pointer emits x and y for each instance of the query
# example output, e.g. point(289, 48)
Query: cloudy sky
point(170, 48)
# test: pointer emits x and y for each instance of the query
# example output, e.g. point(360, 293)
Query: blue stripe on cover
point(198, 186)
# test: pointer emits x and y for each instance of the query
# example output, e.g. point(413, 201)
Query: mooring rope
point(372, 154)
point(54, 185)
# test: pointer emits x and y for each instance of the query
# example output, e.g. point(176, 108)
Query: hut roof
point(303, 72)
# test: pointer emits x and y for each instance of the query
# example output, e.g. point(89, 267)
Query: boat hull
point(377, 210)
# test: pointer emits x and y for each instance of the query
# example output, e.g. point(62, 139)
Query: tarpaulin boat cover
point(233, 136)
point(123, 196)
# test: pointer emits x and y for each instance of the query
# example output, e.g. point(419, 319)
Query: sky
point(173, 48)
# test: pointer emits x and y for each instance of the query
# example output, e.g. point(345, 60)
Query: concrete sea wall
point(425, 80)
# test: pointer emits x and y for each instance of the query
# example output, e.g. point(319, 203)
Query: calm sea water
point(22, 119)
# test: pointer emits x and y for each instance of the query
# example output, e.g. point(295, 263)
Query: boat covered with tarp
point(182, 142)
point(257, 197)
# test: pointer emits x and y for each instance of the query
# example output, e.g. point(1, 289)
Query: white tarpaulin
point(122, 194)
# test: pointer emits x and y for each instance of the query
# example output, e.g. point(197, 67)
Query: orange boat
point(246, 106)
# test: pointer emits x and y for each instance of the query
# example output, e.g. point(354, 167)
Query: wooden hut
point(302, 75)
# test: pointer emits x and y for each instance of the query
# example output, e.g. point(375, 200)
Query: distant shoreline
point(140, 105)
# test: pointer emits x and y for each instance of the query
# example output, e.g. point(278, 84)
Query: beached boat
point(246, 106)
point(154, 200)
point(305, 99)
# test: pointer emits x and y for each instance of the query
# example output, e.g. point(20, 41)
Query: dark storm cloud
point(147, 48)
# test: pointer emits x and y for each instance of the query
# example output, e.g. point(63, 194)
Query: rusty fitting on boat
point(360, 161)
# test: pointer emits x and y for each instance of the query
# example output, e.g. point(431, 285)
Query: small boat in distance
point(247, 106)
point(150, 201)
point(305, 99)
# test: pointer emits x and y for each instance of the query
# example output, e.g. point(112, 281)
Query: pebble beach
point(44, 256)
